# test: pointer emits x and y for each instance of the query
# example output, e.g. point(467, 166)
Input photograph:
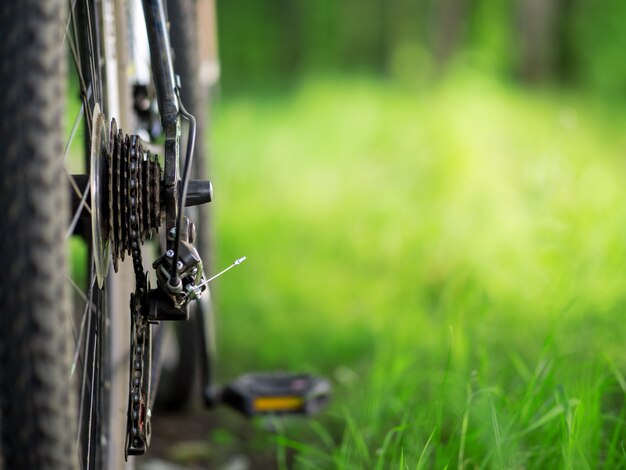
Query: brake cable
point(174, 282)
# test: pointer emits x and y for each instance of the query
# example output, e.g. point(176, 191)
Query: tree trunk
point(449, 27)
point(538, 28)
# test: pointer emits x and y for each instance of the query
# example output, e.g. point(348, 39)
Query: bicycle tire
point(54, 361)
point(34, 353)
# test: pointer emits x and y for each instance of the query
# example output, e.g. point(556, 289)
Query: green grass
point(453, 258)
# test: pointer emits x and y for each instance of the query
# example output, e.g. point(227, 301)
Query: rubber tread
point(36, 399)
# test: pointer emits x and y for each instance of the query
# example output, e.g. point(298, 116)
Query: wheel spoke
point(84, 90)
point(67, 23)
point(88, 306)
point(96, 340)
point(86, 356)
point(79, 291)
point(82, 205)
point(77, 121)
point(93, 53)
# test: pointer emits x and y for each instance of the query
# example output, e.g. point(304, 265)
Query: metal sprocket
point(125, 185)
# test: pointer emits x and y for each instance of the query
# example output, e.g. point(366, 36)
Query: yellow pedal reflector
point(284, 403)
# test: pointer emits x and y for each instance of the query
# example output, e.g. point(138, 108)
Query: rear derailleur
point(129, 201)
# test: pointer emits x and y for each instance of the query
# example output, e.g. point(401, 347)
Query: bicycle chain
point(134, 213)
point(138, 419)
point(138, 426)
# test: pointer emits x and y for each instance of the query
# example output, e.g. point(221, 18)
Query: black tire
point(36, 399)
point(179, 373)
point(53, 353)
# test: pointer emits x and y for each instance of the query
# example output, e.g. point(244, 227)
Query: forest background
point(431, 198)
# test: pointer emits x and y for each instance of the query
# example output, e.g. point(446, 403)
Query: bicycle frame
point(166, 85)
point(165, 82)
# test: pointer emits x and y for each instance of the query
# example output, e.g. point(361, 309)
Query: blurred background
point(572, 43)
point(430, 194)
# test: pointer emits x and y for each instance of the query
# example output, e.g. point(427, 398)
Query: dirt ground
point(199, 439)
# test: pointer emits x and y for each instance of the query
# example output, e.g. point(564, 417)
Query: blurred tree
point(579, 42)
point(290, 34)
point(598, 39)
point(538, 26)
point(450, 25)
point(319, 35)
point(492, 35)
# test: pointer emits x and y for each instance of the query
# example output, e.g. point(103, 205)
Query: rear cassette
point(125, 194)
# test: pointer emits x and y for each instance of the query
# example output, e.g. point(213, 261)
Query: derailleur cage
point(171, 304)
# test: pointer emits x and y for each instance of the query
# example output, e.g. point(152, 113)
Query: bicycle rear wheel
point(56, 368)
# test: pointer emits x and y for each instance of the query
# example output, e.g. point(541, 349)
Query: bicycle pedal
point(277, 393)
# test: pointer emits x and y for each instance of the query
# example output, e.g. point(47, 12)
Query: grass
point(453, 258)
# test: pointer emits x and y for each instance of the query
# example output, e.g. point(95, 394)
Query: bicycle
point(78, 381)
